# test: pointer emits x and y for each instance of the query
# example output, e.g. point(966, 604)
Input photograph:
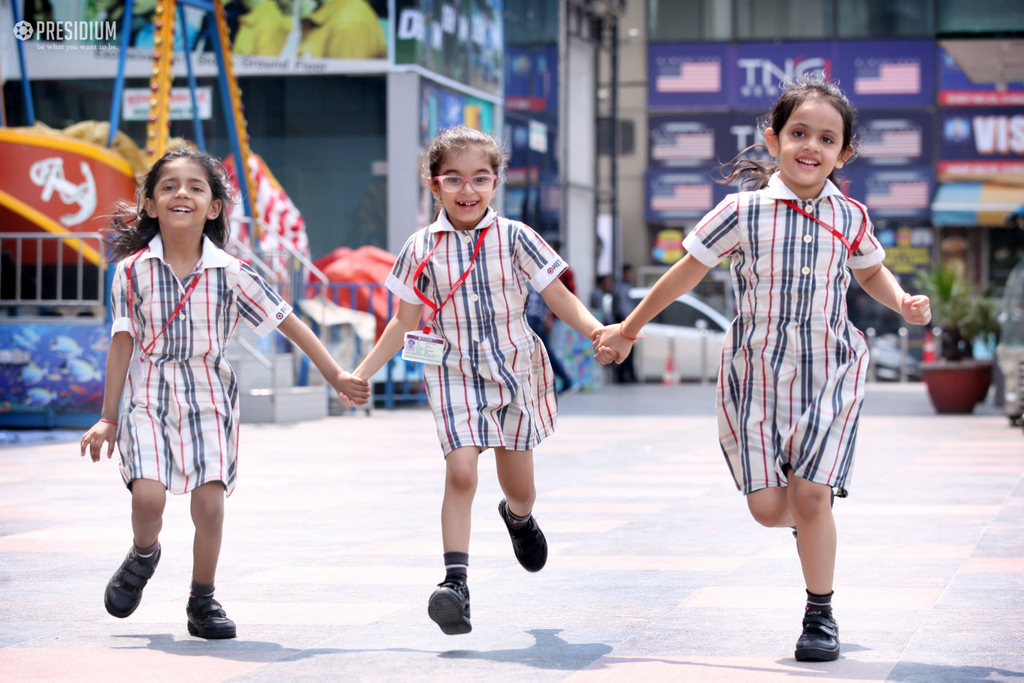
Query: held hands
point(98, 434)
point(354, 391)
point(610, 345)
point(916, 310)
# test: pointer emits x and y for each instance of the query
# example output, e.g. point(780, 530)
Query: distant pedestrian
point(793, 366)
point(541, 319)
point(489, 379)
point(622, 306)
point(176, 299)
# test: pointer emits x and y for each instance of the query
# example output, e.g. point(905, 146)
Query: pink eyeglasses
point(454, 183)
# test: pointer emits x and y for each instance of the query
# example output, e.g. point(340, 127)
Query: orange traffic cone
point(928, 350)
point(669, 377)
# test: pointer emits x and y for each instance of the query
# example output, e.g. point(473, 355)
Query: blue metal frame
point(115, 104)
point(26, 87)
point(197, 124)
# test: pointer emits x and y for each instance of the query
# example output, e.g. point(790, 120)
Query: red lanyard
point(838, 235)
point(131, 313)
point(458, 283)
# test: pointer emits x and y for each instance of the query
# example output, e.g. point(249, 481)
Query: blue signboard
point(674, 196)
point(531, 79)
point(751, 75)
point(892, 194)
point(702, 141)
point(894, 138)
point(981, 141)
point(956, 90)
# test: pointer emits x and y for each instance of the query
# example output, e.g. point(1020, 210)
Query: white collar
point(213, 256)
point(779, 190)
point(443, 224)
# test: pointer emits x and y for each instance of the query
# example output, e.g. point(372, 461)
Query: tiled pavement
point(332, 546)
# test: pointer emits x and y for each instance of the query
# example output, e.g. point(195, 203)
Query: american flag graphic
point(899, 195)
point(901, 78)
point(690, 77)
point(685, 146)
point(892, 143)
point(683, 197)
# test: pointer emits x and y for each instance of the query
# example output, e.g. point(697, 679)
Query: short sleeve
point(869, 252)
point(534, 257)
point(259, 305)
point(400, 279)
point(119, 302)
point(715, 236)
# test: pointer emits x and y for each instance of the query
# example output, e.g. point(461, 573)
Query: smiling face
point(467, 205)
point(809, 147)
point(182, 199)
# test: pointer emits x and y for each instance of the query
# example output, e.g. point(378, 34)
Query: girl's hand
point(352, 390)
point(609, 339)
point(916, 310)
point(96, 436)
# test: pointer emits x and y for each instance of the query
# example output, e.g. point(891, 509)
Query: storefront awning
point(971, 204)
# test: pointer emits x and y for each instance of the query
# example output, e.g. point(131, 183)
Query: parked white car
point(679, 327)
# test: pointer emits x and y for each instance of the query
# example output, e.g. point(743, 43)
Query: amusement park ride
point(56, 191)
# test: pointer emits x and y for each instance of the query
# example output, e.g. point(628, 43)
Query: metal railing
point(43, 284)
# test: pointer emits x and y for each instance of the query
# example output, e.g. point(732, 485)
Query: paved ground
point(657, 572)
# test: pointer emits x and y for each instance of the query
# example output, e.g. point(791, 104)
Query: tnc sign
point(763, 77)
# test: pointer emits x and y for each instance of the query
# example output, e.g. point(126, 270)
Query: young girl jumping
point(176, 300)
point(489, 382)
point(793, 367)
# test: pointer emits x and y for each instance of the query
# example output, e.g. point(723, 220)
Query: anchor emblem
point(49, 175)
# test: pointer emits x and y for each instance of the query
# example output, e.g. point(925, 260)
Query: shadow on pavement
point(905, 672)
point(548, 652)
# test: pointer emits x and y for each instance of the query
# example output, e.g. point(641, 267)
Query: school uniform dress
point(179, 414)
point(793, 366)
point(494, 386)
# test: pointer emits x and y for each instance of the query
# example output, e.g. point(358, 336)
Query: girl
point(176, 301)
point(793, 367)
point(489, 382)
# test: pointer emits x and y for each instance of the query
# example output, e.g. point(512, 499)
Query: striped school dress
point(494, 386)
point(793, 367)
point(178, 419)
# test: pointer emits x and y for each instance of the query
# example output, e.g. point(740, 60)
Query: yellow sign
point(903, 259)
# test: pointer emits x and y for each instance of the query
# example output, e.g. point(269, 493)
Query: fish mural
point(65, 368)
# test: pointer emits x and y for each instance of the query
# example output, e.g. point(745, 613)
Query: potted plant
point(957, 381)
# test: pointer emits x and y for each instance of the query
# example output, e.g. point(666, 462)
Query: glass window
point(779, 19)
point(884, 18)
point(972, 16)
point(672, 20)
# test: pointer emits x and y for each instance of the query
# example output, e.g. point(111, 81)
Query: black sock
point(201, 590)
point(819, 604)
point(456, 567)
point(514, 520)
point(147, 556)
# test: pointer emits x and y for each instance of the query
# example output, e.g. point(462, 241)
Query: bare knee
point(807, 499)
point(461, 478)
point(769, 507)
point(208, 507)
point(148, 501)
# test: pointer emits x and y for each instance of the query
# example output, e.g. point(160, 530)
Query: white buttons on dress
point(182, 316)
point(473, 297)
point(807, 238)
point(805, 270)
point(466, 239)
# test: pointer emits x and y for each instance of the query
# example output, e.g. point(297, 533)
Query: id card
point(423, 348)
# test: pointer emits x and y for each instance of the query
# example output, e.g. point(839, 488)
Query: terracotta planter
point(957, 386)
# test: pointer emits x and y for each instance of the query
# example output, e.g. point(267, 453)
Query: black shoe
point(449, 608)
point(528, 541)
point(124, 590)
point(820, 639)
point(206, 618)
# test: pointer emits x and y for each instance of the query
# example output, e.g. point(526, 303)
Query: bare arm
point(680, 279)
point(119, 355)
point(406, 319)
point(569, 309)
point(883, 287)
point(351, 390)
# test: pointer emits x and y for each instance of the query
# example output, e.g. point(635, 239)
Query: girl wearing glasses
point(489, 381)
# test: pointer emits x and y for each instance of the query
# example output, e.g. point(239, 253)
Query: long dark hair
point(459, 139)
point(754, 173)
point(130, 228)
